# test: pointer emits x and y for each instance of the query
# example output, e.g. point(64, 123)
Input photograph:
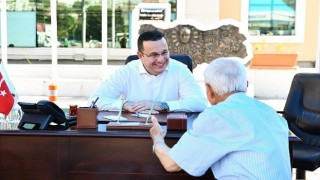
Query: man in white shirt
point(153, 78)
point(238, 137)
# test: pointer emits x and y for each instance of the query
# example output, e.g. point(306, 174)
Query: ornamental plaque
point(203, 45)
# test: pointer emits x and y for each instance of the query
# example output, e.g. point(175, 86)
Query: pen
point(137, 114)
point(149, 115)
point(120, 109)
point(94, 103)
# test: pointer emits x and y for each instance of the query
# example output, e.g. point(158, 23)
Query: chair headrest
point(311, 95)
point(302, 107)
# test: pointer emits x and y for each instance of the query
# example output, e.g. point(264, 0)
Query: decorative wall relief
point(203, 45)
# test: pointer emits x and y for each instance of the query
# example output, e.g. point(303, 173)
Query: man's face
point(155, 56)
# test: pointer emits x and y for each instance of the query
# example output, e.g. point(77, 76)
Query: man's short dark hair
point(149, 36)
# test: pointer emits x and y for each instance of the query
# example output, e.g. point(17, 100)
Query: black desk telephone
point(40, 115)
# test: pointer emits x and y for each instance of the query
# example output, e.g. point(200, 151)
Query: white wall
point(204, 11)
point(72, 80)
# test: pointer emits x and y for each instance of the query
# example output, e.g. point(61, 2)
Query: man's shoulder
point(132, 65)
point(175, 64)
point(128, 69)
point(133, 62)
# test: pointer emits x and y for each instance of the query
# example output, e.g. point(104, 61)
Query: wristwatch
point(164, 107)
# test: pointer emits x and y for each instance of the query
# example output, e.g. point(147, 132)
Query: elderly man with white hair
point(238, 137)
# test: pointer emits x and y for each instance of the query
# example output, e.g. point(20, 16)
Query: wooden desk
point(83, 154)
point(86, 154)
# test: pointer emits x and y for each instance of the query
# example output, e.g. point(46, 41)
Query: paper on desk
point(115, 118)
point(130, 123)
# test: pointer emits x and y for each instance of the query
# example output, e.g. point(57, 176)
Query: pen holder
point(87, 117)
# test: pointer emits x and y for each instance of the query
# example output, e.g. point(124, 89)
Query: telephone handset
point(50, 108)
point(40, 115)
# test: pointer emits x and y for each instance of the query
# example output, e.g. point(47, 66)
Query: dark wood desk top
point(293, 137)
point(102, 132)
point(162, 117)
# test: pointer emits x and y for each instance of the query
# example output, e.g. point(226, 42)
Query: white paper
point(115, 118)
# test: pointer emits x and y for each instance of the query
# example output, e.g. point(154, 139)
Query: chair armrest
point(280, 112)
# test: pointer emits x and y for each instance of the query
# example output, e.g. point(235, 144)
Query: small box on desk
point(87, 117)
point(177, 122)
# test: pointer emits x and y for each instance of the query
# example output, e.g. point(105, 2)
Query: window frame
point(300, 22)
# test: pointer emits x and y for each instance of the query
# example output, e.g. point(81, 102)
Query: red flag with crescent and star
point(7, 97)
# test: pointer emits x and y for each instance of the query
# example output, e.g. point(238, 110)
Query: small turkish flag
point(7, 99)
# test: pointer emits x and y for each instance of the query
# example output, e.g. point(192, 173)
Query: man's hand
point(156, 132)
point(141, 106)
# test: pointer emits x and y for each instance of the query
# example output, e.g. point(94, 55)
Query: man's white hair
point(226, 75)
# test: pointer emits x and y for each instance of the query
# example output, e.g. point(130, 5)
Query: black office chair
point(184, 58)
point(302, 111)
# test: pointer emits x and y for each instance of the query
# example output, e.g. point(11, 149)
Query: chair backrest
point(302, 108)
point(184, 58)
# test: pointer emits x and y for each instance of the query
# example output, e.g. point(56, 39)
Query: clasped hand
point(142, 107)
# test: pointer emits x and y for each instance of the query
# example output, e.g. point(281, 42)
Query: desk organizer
point(177, 122)
point(87, 117)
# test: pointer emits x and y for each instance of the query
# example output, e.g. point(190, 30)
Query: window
point(280, 19)
point(119, 21)
point(79, 22)
point(173, 9)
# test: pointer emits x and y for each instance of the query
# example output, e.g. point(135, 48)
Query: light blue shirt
point(176, 86)
point(239, 138)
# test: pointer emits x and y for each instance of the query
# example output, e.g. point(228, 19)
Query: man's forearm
point(162, 152)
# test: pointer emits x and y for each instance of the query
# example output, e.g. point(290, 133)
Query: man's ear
point(210, 93)
point(139, 54)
